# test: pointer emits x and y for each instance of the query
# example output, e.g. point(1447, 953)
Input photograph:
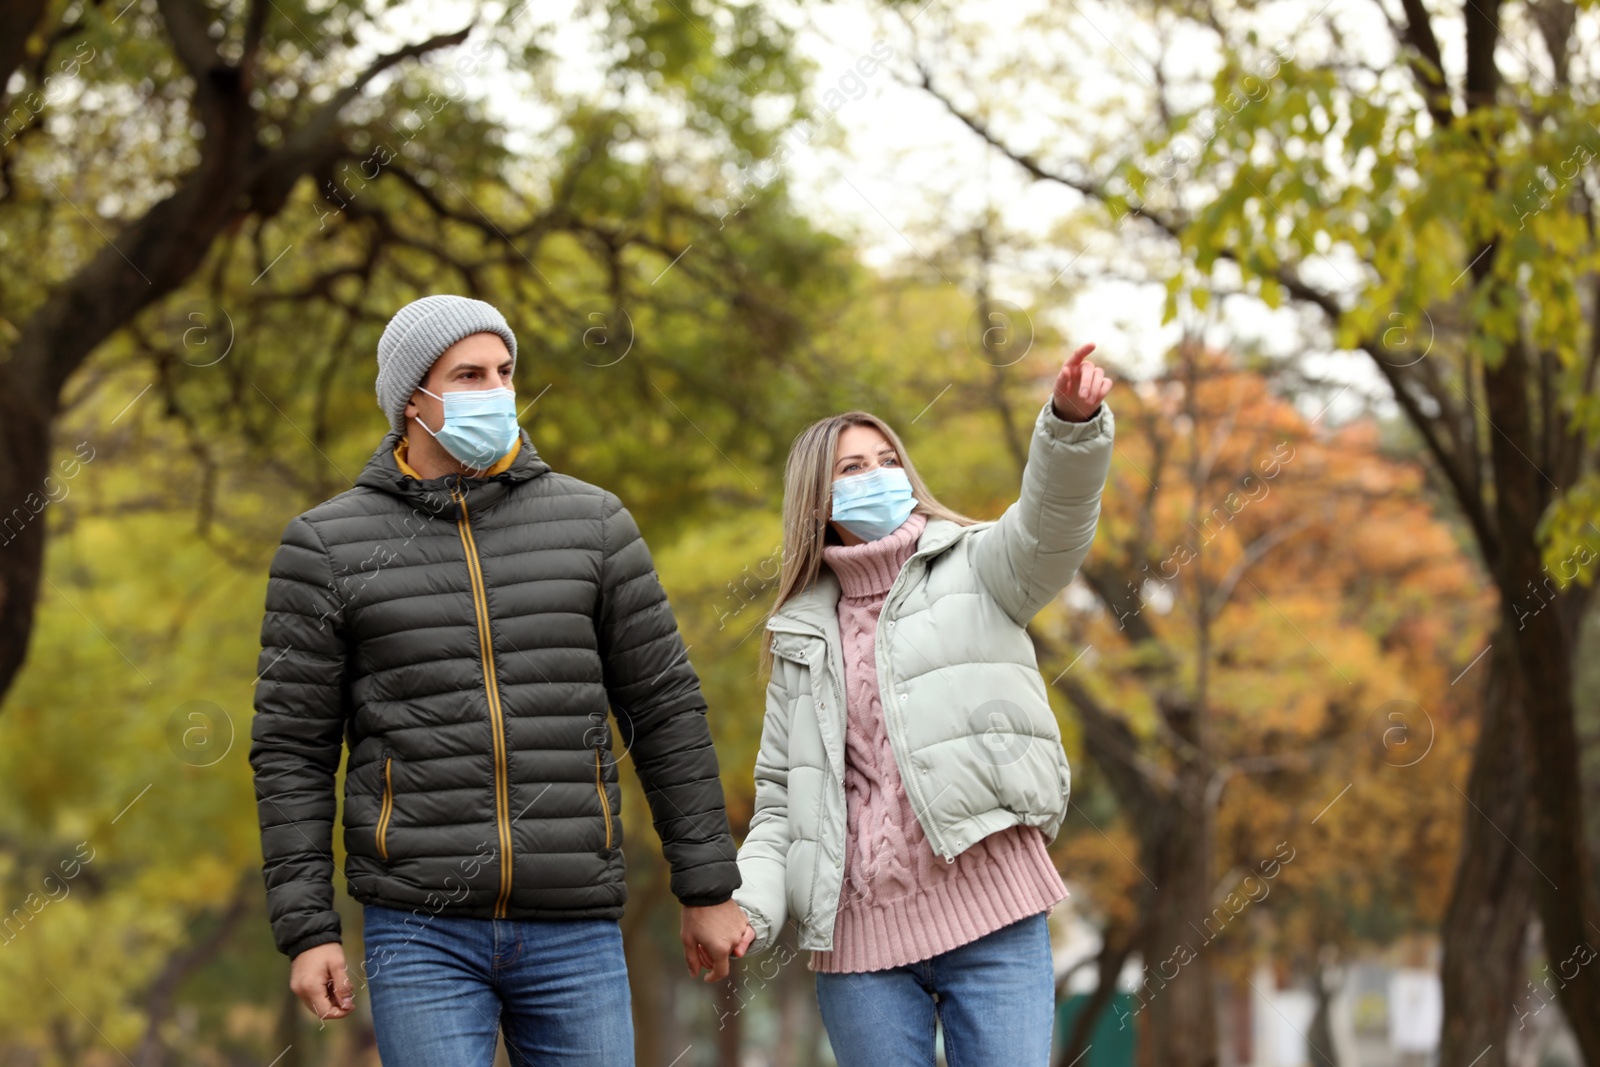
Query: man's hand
point(1080, 386)
point(318, 977)
point(710, 935)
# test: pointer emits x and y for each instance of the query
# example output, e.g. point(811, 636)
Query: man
point(462, 618)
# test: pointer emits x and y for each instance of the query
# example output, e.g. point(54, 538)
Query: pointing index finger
point(1078, 356)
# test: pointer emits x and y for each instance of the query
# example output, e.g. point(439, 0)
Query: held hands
point(318, 976)
point(1080, 386)
point(710, 935)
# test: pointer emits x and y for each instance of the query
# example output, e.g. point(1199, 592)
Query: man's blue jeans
point(996, 1000)
point(441, 987)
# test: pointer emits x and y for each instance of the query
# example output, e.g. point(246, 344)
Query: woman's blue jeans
point(441, 988)
point(995, 997)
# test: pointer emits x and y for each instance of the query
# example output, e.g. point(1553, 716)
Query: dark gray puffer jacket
point(464, 637)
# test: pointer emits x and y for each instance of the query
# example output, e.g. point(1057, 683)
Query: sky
point(904, 169)
point(899, 139)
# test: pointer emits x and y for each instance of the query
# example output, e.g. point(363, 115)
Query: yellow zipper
point(600, 787)
point(480, 604)
point(386, 811)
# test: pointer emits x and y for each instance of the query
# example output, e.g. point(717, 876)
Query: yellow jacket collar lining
point(401, 450)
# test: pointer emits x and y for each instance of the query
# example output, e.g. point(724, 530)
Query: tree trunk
point(1114, 951)
point(1320, 1048)
point(730, 1034)
point(151, 258)
point(289, 1009)
point(650, 979)
point(25, 430)
point(1542, 624)
point(161, 998)
point(797, 1012)
point(1490, 902)
point(1174, 999)
point(1176, 828)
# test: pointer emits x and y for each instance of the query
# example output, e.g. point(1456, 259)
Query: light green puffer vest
point(973, 735)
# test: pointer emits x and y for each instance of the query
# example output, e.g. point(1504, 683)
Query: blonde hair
point(807, 497)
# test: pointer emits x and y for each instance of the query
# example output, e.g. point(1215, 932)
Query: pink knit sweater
point(901, 902)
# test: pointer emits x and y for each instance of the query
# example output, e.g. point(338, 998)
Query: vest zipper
point(385, 810)
point(600, 787)
point(480, 604)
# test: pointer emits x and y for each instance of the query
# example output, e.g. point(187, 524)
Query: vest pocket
point(600, 787)
point(386, 807)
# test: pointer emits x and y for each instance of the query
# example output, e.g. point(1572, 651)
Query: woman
point(911, 772)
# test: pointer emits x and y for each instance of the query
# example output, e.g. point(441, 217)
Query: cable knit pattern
point(900, 901)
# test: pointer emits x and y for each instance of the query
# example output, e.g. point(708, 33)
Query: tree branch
point(18, 21)
point(1252, 554)
point(186, 27)
point(1427, 66)
point(1453, 464)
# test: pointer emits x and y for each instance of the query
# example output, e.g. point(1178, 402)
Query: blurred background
point(1327, 680)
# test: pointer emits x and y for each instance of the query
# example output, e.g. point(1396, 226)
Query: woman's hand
point(1080, 386)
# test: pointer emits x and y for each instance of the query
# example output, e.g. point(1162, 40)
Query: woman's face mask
point(480, 425)
point(874, 504)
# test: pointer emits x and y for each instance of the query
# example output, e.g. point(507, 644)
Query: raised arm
point(1034, 549)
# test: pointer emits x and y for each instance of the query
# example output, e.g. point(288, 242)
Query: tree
point(1266, 593)
point(189, 130)
point(1312, 175)
point(651, 314)
point(1341, 536)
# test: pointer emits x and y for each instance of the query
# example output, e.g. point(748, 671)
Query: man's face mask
point(480, 425)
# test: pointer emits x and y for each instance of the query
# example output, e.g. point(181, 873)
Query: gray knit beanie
point(417, 336)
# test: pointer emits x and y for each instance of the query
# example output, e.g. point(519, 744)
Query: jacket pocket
point(600, 787)
point(386, 806)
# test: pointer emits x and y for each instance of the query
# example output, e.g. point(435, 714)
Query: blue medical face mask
point(480, 425)
point(874, 504)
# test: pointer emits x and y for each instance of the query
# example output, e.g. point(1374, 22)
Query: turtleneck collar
point(869, 569)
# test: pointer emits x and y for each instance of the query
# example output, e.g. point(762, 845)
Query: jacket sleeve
point(655, 695)
point(765, 852)
point(1033, 551)
point(297, 739)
